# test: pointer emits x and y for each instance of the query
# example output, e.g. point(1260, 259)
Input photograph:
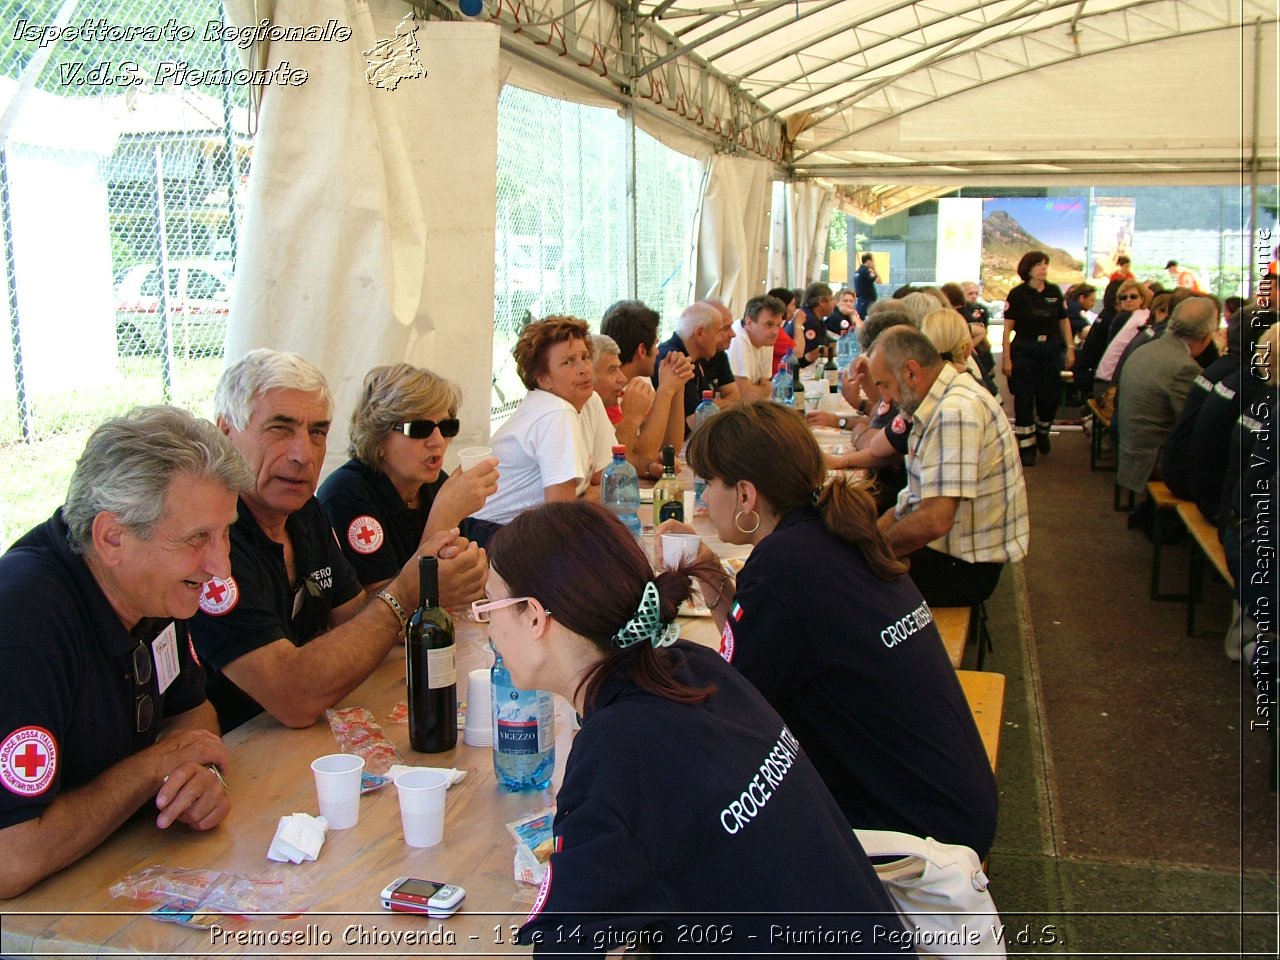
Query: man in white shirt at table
point(751, 349)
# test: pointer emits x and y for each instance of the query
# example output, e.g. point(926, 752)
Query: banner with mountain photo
point(1012, 226)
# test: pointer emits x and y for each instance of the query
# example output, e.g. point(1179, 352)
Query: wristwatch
point(842, 422)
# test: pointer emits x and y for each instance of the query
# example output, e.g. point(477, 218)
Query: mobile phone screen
point(417, 888)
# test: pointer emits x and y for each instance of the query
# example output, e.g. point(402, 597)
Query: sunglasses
point(144, 708)
point(1129, 296)
point(421, 429)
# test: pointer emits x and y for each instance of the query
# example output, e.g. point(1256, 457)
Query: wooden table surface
point(270, 776)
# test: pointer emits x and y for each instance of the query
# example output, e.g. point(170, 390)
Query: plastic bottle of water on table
point(524, 733)
point(703, 412)
point(783, 382)
point(620, 490)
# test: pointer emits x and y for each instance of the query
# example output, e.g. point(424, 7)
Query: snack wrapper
point(357, 732)
point(535, 842)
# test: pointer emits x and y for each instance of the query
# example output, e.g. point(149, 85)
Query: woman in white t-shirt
point(559, 439)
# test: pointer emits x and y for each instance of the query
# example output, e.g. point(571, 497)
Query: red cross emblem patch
point(28, 761)
point(219, 596)
point(365, 535)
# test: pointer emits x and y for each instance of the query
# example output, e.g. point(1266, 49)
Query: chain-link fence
point(116, 170)
point(120, 188)
point(561, 243)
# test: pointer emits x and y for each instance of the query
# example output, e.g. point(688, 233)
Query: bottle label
point(442, 667)
point(517, 736)
point(525, 721)
point(671, 510)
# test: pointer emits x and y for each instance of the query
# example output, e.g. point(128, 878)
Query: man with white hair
point(102, 704)
point(289, 630)
point(702, 334)
point(1154, 384)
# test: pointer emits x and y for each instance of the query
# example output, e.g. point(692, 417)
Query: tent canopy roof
point(895, 99)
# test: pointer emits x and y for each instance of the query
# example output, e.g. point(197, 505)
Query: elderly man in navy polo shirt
point(102, 704)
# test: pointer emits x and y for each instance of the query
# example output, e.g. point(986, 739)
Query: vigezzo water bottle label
point(517, 736)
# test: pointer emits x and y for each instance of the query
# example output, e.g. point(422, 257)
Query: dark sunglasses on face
point(421, 429)
point(1129, 296)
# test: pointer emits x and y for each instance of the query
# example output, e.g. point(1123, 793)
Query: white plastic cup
point(422, 805)
point(689, 499)
point(469, 457)
point(338, 788)
point(679, 548)
point(479, 727)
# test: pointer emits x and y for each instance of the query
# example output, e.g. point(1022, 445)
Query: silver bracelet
point(394, 604)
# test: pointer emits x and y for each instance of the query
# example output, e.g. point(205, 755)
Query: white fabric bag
point(940, 892)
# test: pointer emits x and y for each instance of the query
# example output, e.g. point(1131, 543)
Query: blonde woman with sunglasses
point(394, 488)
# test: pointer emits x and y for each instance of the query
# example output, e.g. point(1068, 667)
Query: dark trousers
point(946, 581)
point(1036, 382)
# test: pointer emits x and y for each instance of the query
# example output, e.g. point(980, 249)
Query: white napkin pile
point(453, 773)
point(298, 837)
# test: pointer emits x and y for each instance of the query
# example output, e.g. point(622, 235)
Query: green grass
point(34, 473)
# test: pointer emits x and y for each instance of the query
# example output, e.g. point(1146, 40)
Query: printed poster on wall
point(959, 255)
point(1012, 226)
point(1113, 219)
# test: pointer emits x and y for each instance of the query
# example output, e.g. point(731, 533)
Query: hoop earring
point(741, 529)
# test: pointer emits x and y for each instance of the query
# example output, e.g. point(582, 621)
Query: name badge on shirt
point(164, 650)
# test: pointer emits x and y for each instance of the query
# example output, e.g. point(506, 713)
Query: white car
point(197, 300)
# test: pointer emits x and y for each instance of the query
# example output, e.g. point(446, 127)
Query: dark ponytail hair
point(771, 446)
point(586, 569)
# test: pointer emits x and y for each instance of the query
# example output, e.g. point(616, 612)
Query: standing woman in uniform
point(685, 801)
point(1037, 311)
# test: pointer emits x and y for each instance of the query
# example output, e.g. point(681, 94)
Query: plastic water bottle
point(620, 490)
point(705, 410)
point(524, 733)
point(783, 382)
point(701, 414)
point(847, 350)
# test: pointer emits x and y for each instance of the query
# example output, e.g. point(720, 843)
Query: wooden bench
point(985, 693)
point(1101, 423)
point(1207, 546)
point(1163, 501)
point(953, 626)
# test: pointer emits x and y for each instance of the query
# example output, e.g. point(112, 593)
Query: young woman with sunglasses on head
point(394, 491)
point(689, 818)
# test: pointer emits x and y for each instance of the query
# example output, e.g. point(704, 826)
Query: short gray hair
point(695, 316)
point(258, 372)
point(899, 344)
point(918, 305)
point(603, 345)
point(391, 395)
point(1194, 319)
point(129, 462)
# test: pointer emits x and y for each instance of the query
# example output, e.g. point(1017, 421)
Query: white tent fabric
point(810, 218)
point(370, 233)
point(732, 231)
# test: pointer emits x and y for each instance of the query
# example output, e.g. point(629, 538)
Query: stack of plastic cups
point(478, 731)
